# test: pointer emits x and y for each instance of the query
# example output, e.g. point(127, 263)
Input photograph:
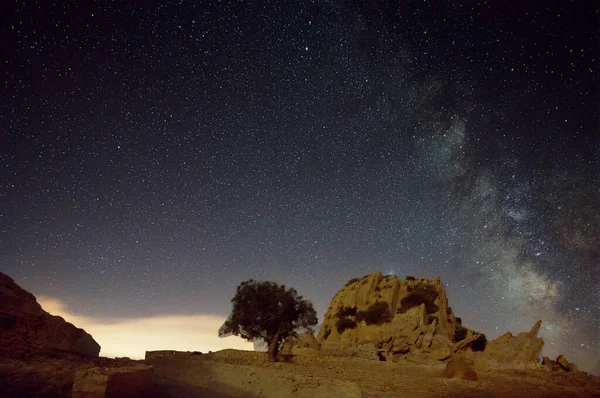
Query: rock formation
point(384, 317)
point(302, 344)
point(25, 328)
point(560, 364)
point(523, 349)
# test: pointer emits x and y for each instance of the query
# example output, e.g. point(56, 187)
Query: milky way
point(155, 156)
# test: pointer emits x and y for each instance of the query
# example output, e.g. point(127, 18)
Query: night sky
point(153, 156)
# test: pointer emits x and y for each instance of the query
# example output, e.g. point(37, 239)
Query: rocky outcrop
point(124, 382)
point(391, 319)
point(560, 364)
point(523, 349)
point(468, 341)
point(566, 365)
point(25, 328)
point(301, 344)
point(549, 364)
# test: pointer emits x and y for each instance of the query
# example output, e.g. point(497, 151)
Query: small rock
point(460, 369)
point(566, 365)
point(548, 363)
point(562, 361)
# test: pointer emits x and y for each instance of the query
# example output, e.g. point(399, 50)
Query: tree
point(377, 313)
point(267, 310)
point(480, 343)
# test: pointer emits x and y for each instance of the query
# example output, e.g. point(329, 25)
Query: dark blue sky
point(156, 155)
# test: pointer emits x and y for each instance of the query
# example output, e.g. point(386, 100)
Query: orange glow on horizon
point(133, 337)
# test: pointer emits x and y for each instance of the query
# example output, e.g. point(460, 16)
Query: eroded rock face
point(417, 321)
point(26, 328)
point(525, 348)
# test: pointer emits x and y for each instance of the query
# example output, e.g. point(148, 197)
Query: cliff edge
point(25, 328)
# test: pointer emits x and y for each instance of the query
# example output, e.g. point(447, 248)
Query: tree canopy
point(267, 310)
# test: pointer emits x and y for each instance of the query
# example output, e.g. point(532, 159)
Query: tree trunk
point(274, 347)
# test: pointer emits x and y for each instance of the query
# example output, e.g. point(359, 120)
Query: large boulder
point(301, 344)
point(566, 365)
point(549, 364)
point(407, 319)
point(522, 350)
point(25, 328)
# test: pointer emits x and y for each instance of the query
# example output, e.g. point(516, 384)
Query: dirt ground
point(232, 373)
point(47, 376)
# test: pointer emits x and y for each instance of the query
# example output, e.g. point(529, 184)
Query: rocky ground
point(231, 373)
point(48, 375)
point(44, 356)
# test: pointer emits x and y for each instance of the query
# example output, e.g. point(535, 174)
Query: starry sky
point(156, 154)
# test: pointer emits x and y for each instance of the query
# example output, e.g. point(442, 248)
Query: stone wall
point(134, 381)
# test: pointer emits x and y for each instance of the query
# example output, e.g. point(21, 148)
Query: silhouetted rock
point(25, 328)
point(467, 341)
point(550, 365)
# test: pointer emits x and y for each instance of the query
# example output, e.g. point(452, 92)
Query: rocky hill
point(27, 329)
point(384, 317)
point(42, 355)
